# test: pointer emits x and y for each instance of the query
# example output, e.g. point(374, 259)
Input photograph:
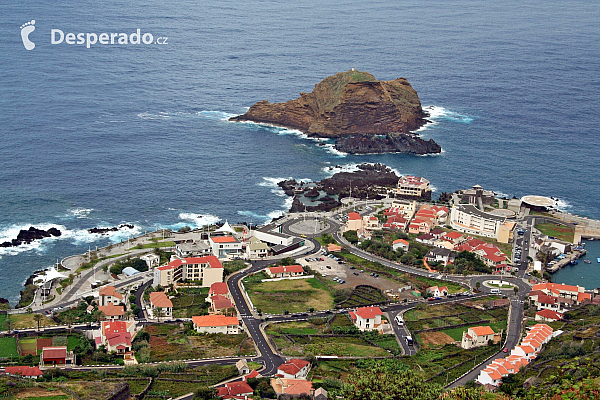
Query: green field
point(560, 232)
point(28, 346)
point(290, 295)
point(189, 302)
point(8, 347)
point(155, 245)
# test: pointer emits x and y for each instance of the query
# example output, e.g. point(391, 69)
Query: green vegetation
point(20, 321)
point(155, 245)
point(8, 347)
point(166, 342)
point(325, 239)
point(27, 296)
point(288, 295)
point(135, 263)
point(351, 236)
point(95, 261)
point(189, 302)
point(467, 263)
point(231, 267)
point(561, 232)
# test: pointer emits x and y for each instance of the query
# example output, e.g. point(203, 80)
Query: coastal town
point(303, 306)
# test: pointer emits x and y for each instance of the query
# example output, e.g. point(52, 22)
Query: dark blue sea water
point(135, 133)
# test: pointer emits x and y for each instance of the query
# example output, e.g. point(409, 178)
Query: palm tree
point(38, 318)
point(69, 319)
point(99, 316)
point(128, 314)
point(477, 285)
point(8, 322)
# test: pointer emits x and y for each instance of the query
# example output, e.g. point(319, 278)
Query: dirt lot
point(435, 338)
point(344, 272)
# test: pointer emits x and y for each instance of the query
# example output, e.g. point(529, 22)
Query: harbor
point(586, 272)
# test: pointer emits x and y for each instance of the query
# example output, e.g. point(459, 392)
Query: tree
point(477, 285)
point(38, 318)
point(516, 289)
point(382, 383)
point(8, 322)
point(99, 316)
point(69, 319)
point(128, 314)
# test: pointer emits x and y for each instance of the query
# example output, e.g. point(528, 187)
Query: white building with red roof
point(413, 186)
point(354, 222)
point(469, 219)
point(548, 316)
point(438, 291)
point(116, 336)
point(400, 244)
point(112, 312)
point(108, 294)
point(56, 357)
point(285, 271)
point(235, 390)
point(216, 324)
point(294, 369)
point(292, 387)
point(24, 372)
point(160, 301)
point(478, 336)
point(225, 246)
point(366, 318)
point(204, 270)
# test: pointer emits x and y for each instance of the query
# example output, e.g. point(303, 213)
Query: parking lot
point(350, 276)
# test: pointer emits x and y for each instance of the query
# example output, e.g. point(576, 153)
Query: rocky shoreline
point(113, 229)
point(31, 234)
point(364, 115)
point(371, 181)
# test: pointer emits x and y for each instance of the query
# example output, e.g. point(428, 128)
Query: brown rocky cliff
point(346, 103)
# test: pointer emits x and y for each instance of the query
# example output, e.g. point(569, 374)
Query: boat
point(598, 260)
point(587, 261)
point(574, 262)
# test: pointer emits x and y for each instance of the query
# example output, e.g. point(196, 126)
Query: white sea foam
point(332, 170)
point(272, 182)
point(76, 236)
point(80, 212)
point(437, 114)
point(561, 204)
point(219, 115)
point(198, 220)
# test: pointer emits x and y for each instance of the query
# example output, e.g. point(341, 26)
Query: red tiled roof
point(114, 327)
point(453, 235)
point(173, 264)
point(296, 387)
point(557, 286)
point(221, 302)
point(210, 260)
point(160, 299)
point(493, 373)
point(54, 352)
point(293, 366)
point(583, 296)
point(218, 288)
point(214, 320)
point(23, 371)
point(253, 374)
point(119, 338)
point(296, 269)
point(224, 239)
point(110, 291)
point(400, 241)
point(542, 298)
point(235, 389)
point(549, 314)
point(353, 216)
point(482, 330)
point(110, 310)
point(368, 312)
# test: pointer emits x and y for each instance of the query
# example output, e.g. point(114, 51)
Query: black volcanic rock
point(31, 234)
point(113, 229)
point(390, 143)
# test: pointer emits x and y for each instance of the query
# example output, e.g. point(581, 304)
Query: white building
point(294, 369)
point(160, 301)
point(225, 246)
point(478, 336)
point(108, 294)
point(412, 186)
point(255, 249)
point(469, 219)
point(366, 318)
point(400, 244)
point(151, 259)
point(216, 324)
point(203, 270)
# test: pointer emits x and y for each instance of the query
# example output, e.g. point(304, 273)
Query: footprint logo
point(26, 29)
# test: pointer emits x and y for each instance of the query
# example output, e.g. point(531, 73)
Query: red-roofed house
point(489, 376)
point(216, 324)
point(24, 371)
point(235, 390)
point(396, 222)
point(400, 244)
point(115, 335)
point(219, 288)
point(525, 351)
point(366, 318)
point(293, 369)
point(219, 304)
point(419, 225)
point(285, 271)
point(426, 239)
point(436, 291)
point(112, 312)
point(225, 246)
point(292, 387)
point(253, 374)
point(453, 237)
point(478, 336)
point(548, 316)
point(160, 301)
point(56, 356)
point(108, 294)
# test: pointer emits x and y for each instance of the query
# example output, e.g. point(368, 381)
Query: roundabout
point(499, 284)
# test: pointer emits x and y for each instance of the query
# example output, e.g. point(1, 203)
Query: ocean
point(138, 133)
